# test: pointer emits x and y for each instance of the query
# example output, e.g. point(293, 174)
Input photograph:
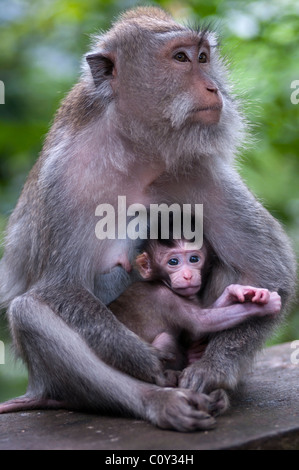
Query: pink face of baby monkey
point(179, 267)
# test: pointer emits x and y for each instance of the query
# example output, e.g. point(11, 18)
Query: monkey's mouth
point(216, 107)
point(206, 115)
point(187, 291)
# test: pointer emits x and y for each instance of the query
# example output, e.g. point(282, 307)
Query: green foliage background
point(42, 42)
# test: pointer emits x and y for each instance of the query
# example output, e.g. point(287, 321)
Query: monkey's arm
point(180, 313)
point(223, 318)
point(238, 293)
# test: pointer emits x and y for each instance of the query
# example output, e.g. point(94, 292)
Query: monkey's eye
point(202, 58)
point(173, 262)
point(181, 57)
point(194, 259)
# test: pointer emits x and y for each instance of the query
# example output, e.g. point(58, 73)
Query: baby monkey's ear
point(143, 264)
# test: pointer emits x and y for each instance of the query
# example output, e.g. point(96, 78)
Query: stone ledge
point(264, 415)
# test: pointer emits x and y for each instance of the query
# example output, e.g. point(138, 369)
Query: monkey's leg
point(63, 367)
point(174, 355)
point(108, 338)
point(167, 344)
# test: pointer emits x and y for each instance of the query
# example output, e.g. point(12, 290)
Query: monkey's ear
point(144, 265)
point(102, 66)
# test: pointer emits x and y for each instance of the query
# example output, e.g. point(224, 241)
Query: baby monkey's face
point(183, 265)
point(179, 267)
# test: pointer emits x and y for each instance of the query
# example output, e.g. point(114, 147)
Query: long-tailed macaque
point(166, 311)
point(152, 118)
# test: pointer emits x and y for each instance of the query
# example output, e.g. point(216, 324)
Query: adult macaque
point(103, 144)
point(166, 311)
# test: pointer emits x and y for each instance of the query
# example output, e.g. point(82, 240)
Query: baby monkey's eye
point(173, 262)
point(194, 259)
point(181, 57)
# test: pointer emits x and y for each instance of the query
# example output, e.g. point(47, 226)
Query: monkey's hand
point(204, 379)
point(183, 410)
point(272, 306)
point(237, 293)
point(270, 302)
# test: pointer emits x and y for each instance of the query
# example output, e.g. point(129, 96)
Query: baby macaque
point(166, 311)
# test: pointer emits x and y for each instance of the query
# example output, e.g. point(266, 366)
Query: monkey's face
point(195, 96)
point(178, 267)
point(183, 267)
point(168, 91)
point(172, 79)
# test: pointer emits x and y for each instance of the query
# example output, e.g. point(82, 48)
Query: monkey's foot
point(30, 403)
point(178, 409)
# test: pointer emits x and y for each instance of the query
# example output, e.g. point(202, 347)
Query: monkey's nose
point(187, 275)
point(212, 88)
